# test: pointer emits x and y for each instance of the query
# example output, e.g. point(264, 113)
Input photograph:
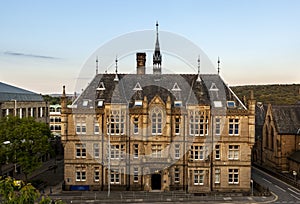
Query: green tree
point(28, 142)
point(21, 194)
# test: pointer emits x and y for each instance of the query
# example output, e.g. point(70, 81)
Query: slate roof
point(295, 156)
point(260, 114)
point(179, 87)
point(287, 118)
point(8, 93)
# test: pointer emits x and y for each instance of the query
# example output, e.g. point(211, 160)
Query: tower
point(157, 55)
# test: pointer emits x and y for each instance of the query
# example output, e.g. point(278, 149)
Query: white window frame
point(156, 121)
point(96, 128)
point(233, 152)
point(116, 122)
point(115, 177)
point(199, 124)
point(96, 150)
point(156, 151)
point(198, 177)
point(233, 176)
point(218, 126)
point(80, 175)
point(135, 125)
point(217, 152)
point(135, 174)
point(177, 151)
point(177, 126)
point(96, 175)
point(176, 175)
point(135, 151)
point(233, 126)
point(217, 175)
point(80, 150)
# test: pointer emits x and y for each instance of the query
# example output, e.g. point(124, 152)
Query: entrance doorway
point(156, 182)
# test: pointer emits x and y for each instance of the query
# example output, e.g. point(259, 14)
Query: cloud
point(29, 55)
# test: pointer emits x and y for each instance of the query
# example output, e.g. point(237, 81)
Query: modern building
point(158, 132)
point(22, 103)
point(55, 119)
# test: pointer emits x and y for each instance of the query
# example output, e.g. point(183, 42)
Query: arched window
point(52, 109)
point(156, 120)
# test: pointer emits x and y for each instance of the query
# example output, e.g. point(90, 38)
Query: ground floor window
point(115, 177)
point(198, 177)
point(233, 176)
point(80, 175)
point(176, 175)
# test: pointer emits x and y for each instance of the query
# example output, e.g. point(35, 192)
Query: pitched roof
point(295, 156)
point(286, 118)
point(8, 93)
point(188, 89)
point(260, 114)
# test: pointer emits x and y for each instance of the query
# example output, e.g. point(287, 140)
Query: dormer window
point(230, 104)
point(177, 103)
point(100, 103)
point(85, 102)
point(138, 103)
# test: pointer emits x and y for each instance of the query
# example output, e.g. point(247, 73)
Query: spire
point(97, 65)
point(116, 76)
point(157, 55)
point(199, 78)
point(218, 65)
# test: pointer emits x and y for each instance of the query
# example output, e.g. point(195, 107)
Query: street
point(284, 192)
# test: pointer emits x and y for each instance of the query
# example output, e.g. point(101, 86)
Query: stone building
point(22, 103)
point(281, 138)
point(157, 132)
point(55, 119)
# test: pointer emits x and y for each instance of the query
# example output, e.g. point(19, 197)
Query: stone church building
point(144, 132)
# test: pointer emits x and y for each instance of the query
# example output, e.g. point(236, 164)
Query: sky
point(46, 44)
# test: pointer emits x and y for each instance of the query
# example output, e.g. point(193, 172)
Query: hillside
point(274, 94)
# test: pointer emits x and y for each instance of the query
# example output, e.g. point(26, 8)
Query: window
point(52, 109)
point(80, 175)
point(117, 151)
point(96, 175)
point(198, 177)
point(230, 104)
point(233, 126)
point(52, 119)
point(217, 175)
point(233, 153)
point(156, 151)
point(96, 151)
point(198, 152)
point(135, 174)
point(100, 103)
point(177, 151)
point(176, 175)
point(135, 151)
point(80, 150)
point(80, 125)
point(138, 103)
point(218, 126)
point(96, 128)
point(177, 126)
point(198, 124)
point(135, 125)
point(217, 153)
point(115, 177)
point(85, 102)
point(233, 176)
point(156, 119)
point(116, 122)
point(177, 103)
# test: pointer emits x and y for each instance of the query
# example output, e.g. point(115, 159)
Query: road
point(285, 192)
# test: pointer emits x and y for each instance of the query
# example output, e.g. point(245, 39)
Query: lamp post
point(251, 181)
point(295, 175)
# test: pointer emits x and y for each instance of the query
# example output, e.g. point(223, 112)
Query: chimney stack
point(141, 62)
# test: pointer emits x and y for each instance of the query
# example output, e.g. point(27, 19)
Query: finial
point(218, 65)
point(64, 91)
point(97, 65)
point(157, 28)
point(116, 77)
point(199, 78)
